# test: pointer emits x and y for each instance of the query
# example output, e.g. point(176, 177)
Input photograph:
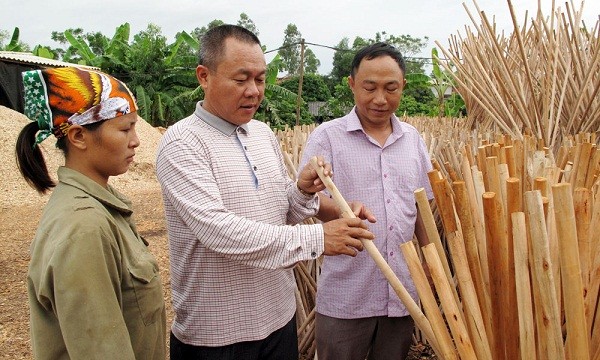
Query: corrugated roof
point(29, 58)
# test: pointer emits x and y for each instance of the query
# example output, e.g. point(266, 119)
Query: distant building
point(314, 108)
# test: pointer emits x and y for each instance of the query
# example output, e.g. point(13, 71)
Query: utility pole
point(301, 78)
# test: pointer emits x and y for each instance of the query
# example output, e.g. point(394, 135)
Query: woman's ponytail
point(30, 160)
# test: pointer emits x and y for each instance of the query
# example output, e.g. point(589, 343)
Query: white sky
point(323, 22)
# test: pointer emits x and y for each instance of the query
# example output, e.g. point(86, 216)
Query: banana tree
point(43, 51)
point(162, 75)
point(113, 50)
point(277, 100)
point(441, 82)
point(15, 44)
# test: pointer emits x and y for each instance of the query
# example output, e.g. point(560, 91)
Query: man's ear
point(202, 75)
point(77, 136)
point(351, 83)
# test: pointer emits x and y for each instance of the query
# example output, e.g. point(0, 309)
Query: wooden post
point(472, 313)
point(523, 287)
point(477, 227)
point(464, 211)
point(498, 259)
point(593, 168)
point(493, 180)
point(509, 154)
point(591, 300)
point(453, 316)
point(585, 155)
point(547, 313)
point(519, 162)
point(577, 338)
point(576, 159)
point(481, 156)
point(446, 209)
point(481, 240)
point(428, 301)
point(582, 201)
point(514, 203)
point(432, 231)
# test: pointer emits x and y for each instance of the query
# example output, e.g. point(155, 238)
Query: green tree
point(67, 52)
point(311, 63)
point(342, 58)
point(247, 23)
point(314, 87)
point(341, 102)
point(14, 44)
point(4, 36)
point(279, 104)
point(290, 50)
point(156, 82)
point(417, 97)
point(199, 32)
point(43, 51)
point(95, 49)
point(409, 47)
point(442, 81)
point(97, 44)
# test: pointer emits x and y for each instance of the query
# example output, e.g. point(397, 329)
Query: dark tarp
point(11, 84)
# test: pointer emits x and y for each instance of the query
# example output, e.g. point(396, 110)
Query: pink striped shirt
point(384, 178)
point(227, 201)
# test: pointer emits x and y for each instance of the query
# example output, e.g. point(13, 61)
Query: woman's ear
point(77, 136)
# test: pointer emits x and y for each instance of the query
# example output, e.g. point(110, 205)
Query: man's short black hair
point(376, 50)
point(212, 43)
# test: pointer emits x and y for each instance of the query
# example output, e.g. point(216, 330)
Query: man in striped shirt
point(228, 202)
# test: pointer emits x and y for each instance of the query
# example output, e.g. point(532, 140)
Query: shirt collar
point(353, 124)
point(107, 196)
point(223, 126)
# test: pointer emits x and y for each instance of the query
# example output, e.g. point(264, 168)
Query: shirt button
point(384, 175)
point(245, 148)
point(391, 227)
point(392, 253)
point(313, 254)
point(255, 168)
point(388, 201)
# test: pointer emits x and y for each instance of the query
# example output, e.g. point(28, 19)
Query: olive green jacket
point(94, 288)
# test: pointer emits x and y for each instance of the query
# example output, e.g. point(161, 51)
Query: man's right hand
point(342, 236)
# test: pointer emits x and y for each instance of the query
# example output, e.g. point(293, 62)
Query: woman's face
point(112, 147)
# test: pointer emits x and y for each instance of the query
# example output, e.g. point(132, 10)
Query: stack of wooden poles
point(292, 141)
point(522, 275)
point(541, 79)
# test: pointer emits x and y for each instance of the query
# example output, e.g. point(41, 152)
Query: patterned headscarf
point(60, 97)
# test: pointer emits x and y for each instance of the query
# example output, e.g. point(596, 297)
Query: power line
point(413, 59)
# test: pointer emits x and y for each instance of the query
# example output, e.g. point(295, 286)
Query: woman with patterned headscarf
point(94, 288)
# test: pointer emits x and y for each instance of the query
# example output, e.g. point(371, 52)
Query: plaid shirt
point(384, 178)
point(227, 200)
